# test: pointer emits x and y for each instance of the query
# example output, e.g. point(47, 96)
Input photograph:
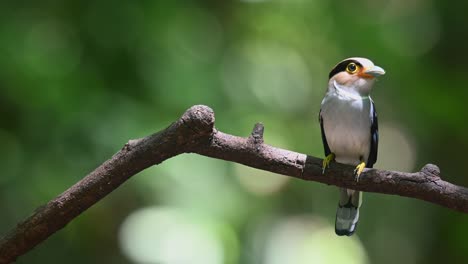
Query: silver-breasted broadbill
point(348, 121)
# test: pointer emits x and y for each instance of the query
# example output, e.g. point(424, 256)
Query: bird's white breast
point(346, 123)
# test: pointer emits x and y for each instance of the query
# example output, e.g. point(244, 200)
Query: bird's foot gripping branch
point(194, 132)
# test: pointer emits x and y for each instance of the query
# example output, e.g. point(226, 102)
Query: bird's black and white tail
point(347, 214)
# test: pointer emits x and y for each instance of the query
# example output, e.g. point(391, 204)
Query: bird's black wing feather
point(324, 138)
point(374, 137)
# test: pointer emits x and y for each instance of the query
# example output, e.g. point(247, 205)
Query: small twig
point(257, 133)
point(195, 132)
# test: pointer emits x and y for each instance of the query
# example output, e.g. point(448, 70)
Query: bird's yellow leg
point(359, 169)
point(326, 162)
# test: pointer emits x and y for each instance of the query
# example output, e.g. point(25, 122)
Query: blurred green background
point(80, 78)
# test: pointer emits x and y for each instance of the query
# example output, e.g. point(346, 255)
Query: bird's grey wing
point(324, 138)
point(374, 137)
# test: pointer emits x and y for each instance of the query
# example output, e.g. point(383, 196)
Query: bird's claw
point(358, 170)
point(326, 162)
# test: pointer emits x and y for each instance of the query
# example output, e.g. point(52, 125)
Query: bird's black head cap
point(342, 67)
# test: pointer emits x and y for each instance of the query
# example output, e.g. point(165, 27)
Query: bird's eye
point(352, 68)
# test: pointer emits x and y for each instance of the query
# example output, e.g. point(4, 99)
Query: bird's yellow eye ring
point(352, 68)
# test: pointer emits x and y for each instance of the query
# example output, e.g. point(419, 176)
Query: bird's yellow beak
point(375, 71)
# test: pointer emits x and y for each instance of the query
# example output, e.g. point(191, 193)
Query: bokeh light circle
point(168, 235)
point(311, 239)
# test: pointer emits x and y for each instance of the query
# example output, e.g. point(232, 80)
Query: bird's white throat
point(347, 93)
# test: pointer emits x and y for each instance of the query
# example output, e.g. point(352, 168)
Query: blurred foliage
point(80, 78)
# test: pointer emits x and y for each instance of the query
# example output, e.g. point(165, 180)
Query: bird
point(349, 128)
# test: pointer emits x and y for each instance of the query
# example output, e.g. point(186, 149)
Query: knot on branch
point(431, 170)
point(200, 119)
point(256, 136)
point(130, 144)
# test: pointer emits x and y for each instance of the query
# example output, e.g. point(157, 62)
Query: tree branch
point(194, 132)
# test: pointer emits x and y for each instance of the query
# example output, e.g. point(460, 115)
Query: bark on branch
point(194, 132)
